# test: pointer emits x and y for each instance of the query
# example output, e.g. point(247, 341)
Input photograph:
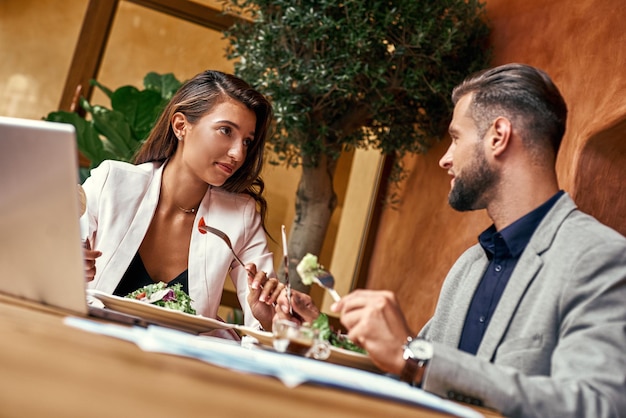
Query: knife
point(286, 267)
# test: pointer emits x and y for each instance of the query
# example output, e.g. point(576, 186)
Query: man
point(532, 320)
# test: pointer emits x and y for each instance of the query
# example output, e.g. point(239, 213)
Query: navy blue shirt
point(503, 250)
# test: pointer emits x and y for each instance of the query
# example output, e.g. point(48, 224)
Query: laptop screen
point(41, 255)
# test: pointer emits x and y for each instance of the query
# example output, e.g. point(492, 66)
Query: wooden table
point(48, 369)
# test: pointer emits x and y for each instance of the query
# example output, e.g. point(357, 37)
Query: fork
point(223, 236)
point(327, 281)
point(203, 228)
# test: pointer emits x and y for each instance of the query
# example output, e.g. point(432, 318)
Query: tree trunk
point(315, 202)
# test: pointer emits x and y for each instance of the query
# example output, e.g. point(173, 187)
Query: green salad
point(159, 294)
point(334, 338)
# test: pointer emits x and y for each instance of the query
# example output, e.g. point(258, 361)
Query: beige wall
point(144, 40)
point(37, 40)
point(582, 45)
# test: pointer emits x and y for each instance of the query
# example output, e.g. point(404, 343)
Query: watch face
point(422, 349)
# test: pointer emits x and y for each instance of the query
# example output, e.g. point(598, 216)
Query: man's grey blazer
point(556, 344)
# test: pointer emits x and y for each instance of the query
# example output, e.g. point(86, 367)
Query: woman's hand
point(263, 294)
point(90, 260)
point(303, 307)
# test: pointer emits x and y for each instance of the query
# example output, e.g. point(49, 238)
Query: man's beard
point(470, 191)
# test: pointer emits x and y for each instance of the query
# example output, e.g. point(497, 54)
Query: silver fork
point(224, 237)
point(327, 281)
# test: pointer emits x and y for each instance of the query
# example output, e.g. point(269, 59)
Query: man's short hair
point(521, 93)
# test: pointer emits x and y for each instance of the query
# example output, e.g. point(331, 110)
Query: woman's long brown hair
point(196, 98)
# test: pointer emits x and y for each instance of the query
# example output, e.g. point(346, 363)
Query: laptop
point(41, 257)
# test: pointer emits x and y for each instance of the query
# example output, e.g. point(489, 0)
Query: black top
point(137, 276)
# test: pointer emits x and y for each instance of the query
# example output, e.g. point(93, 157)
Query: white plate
point(352, 359)
point(159, 315)
point(337, 355)
point(264, 337)
point(199, 324)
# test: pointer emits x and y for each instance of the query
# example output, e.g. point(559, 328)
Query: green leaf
point(104, 89)
point(164, 84)
point(113, 125)
point(87, 138)
point(139, 108)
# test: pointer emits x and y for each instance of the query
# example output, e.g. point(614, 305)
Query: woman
point(201, 160)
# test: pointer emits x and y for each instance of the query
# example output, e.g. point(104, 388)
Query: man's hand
point(375, 322)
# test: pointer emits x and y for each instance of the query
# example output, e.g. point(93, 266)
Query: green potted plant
point(117, 132)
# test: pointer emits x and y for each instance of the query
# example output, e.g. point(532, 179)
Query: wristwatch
point(416, 353)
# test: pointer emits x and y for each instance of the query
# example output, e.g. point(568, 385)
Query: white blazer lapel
point(135, 228)
point(142, 219)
